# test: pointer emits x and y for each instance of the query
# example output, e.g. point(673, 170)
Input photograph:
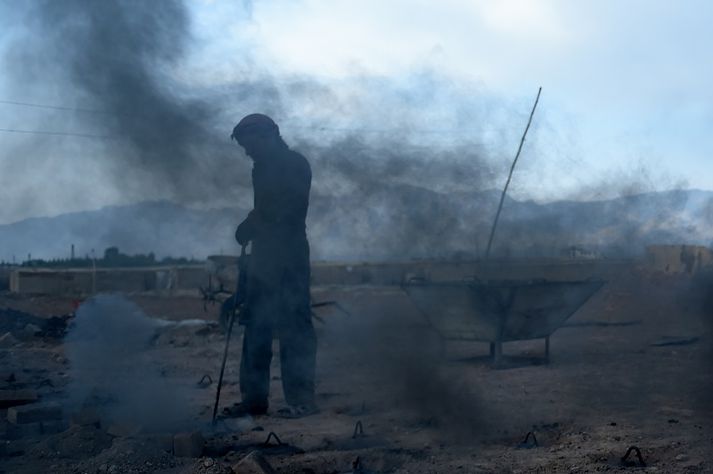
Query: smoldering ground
point(114, 371)
point(396, 361)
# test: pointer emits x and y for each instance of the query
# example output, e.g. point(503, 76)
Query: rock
point(32, 330)
point(11, 398)
point(7, 341)
point(681, 458)
point(36, 412)
point(253, 463)
point(123, 430)
point(53, 427)
point(188, 445)
point(79, 442)
point(36, 429)
point(164, 442)
point(26, 430)
point(86, 417)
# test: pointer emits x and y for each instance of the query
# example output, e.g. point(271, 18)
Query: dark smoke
point(168, 140)
point(395, 199)
point(396, 362)
point(402, 168)
point(121, 57)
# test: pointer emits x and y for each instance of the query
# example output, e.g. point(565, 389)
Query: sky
point(626, 89)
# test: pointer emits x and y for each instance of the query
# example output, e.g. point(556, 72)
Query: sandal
point(297, 411)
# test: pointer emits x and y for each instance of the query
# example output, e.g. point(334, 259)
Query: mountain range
point(400, 222)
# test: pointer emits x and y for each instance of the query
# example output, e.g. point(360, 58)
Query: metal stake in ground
point(507, 183)
point(239, 291)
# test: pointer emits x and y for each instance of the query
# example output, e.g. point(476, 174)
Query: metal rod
point(222, 366)
point(227, 337)
point(507, 183)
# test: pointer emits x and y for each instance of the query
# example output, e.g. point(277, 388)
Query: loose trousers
point(281, 311)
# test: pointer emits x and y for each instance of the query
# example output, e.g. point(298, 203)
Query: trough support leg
point(492, 349)
point(547, 349)
point(497, 352)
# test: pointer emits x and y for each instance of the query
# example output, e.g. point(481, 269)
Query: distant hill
point(164, 228)
point(395, 223)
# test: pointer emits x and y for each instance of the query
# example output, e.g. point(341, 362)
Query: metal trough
point(499, 311)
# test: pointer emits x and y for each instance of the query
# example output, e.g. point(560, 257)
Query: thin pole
point(507, 183)
point(225, 358)
point(238, 288)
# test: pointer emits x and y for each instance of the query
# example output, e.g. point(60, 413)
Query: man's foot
point(239, 410)
point(297, 411)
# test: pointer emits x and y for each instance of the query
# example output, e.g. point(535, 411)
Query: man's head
point(257, 134)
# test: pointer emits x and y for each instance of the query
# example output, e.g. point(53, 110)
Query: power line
point(287, 124)
point(52, 107)
point(63, 134)
point(382, 130)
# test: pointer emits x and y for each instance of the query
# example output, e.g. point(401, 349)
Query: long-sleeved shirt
point(276, 225)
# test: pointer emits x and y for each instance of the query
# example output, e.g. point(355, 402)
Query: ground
point(609, 385)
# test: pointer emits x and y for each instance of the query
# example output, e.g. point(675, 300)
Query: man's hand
point(246, 230)
point(241, 234)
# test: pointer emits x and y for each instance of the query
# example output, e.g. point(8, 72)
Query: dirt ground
point(633, 367)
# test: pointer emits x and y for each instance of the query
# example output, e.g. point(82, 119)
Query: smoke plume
point(403, 168)
point(113, 370)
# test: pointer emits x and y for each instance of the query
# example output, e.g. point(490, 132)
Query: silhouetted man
point(278, 298)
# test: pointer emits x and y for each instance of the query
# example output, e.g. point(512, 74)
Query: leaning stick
point(233, 311)
point(507, 183)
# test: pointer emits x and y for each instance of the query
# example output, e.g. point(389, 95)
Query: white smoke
point(114, 370)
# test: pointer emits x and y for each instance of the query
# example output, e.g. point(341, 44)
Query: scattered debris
point(205, 381)
point(358, 430)
point(22, 324)
point(8, 341)
point(358, 467)
point(640, 459)
point(675, 341)
point(31, 330)
point(34, 420)
point(26, 430)
point(86, 417)
point(36, 412)
point(529, 442)
point(188, 445)
point(123, 430)
point(77, 442)
point(272, 435)
point(601, 324)
point(11, 398)
point(253, 463)
point(128, 455)
point(207, 466)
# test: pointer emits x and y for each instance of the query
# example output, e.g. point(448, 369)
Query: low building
point(689, 259)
